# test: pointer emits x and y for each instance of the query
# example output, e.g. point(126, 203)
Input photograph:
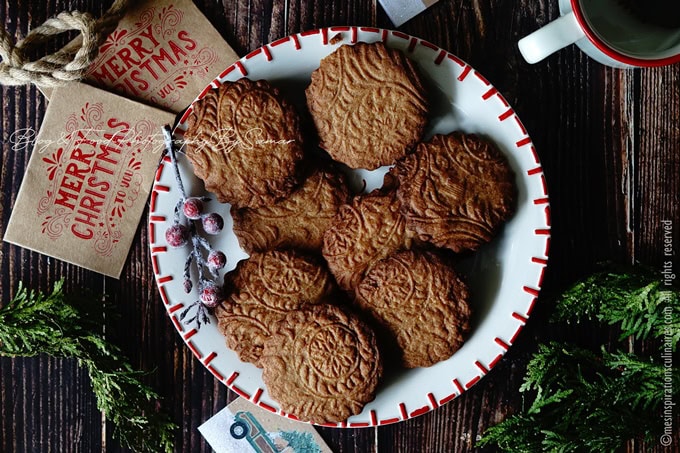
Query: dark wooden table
point(609, 141)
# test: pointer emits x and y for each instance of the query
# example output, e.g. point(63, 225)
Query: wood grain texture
point(609, 141)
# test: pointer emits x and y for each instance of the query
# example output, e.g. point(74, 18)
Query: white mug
point(618, 33)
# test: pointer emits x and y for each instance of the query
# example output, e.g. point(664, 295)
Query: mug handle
point(550, 38)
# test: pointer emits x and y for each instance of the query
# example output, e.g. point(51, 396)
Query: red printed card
point(163, 53)
point(88, 178)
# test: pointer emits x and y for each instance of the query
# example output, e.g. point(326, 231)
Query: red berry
point(193, 208)
point(177, 235)
point(210, 296)
point(213, 223)
point(216, 260)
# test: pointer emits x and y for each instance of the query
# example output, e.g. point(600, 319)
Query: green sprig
point(583, 400)
point(35, 323)
point(639, 302)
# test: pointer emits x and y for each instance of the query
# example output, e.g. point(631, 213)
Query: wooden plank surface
point(609, 141)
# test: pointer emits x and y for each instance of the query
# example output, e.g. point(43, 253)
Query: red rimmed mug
point(618, 33)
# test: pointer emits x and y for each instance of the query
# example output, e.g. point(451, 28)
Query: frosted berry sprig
point(189, 212)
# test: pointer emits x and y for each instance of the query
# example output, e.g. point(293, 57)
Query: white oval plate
point(505, 276)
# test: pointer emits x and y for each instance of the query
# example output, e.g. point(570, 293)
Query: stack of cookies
point(340, 289)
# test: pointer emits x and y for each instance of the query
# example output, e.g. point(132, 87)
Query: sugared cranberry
point(177, 235)
point(213, 223)
point(216, 260)
point(193, 208)
point(210, 296)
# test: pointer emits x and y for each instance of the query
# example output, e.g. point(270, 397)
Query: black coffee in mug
point(636, 28)
point(662, 13)
point(618, 33)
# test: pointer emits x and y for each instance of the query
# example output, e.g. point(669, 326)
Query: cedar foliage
point(35, 323)
point(585, 400)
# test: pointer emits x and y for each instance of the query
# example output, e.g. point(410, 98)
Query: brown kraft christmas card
point(88, 178)
point(162, 53)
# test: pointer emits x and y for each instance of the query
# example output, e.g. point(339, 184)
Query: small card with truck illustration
point(245, 427)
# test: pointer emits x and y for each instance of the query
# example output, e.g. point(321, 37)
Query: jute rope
point(67, 64)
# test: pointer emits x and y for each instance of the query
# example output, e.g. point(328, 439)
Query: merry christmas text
point(143, 59)
point(86, 180)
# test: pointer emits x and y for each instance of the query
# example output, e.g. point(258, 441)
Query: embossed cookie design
point(321, 364)
point(364, 232)
point(298, 221)
point(456, 191)
point(421, 304)
point(368, 104)
point(265, 288)
point(244, 142)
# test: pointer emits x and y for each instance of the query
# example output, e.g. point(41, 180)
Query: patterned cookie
point(456, 191)
point(368, 104)
point(244, 142)
point(420, 302)
point(364, 232)
point(321, 364)
point(266, 287)
point(298, 221)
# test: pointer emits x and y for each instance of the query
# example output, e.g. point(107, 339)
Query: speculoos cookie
point(322, 364)
point(456, 191)
point(298, 221)
point(363, 232)
point(420, 303)
point(264, 288)
point(244, 141)
point(368, 104)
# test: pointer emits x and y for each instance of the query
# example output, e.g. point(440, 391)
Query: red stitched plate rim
point(461, 73)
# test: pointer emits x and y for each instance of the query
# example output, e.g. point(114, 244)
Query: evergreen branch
point(583, 400)
point(31, 324)
point(637, 301)
point(35, 323)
